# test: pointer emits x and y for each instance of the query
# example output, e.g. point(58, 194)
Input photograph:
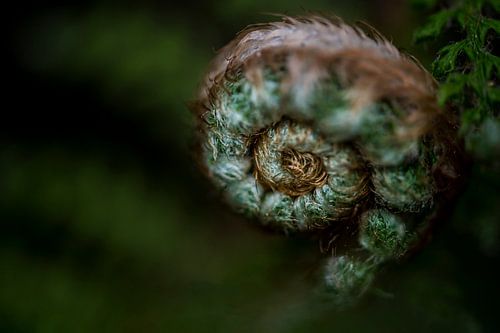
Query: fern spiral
point(309, 125)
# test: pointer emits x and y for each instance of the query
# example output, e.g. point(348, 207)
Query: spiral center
point(306, 168)
point(287, 158)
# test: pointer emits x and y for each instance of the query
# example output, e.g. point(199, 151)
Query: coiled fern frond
point(310, 125)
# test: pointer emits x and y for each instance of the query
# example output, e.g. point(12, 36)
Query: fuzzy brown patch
point(307, 170)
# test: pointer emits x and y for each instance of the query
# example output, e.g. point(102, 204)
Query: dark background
point(107, 226)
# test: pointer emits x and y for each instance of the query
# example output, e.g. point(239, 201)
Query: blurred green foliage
point(468, 69)
point(467, 64)
point(108, 227)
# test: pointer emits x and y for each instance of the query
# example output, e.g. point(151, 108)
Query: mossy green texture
point(407, 188)
point(245, 196)
point(384, 234)
point(378, 136)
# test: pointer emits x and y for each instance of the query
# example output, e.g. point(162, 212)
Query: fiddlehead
point(310, 125)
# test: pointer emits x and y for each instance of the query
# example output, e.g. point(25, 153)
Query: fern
point(468, 67)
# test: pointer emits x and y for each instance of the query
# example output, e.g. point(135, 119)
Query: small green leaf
point(447, 57)
point(434, 25)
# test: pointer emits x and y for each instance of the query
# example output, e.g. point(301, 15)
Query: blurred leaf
point(434, 26)
point(446, 60)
